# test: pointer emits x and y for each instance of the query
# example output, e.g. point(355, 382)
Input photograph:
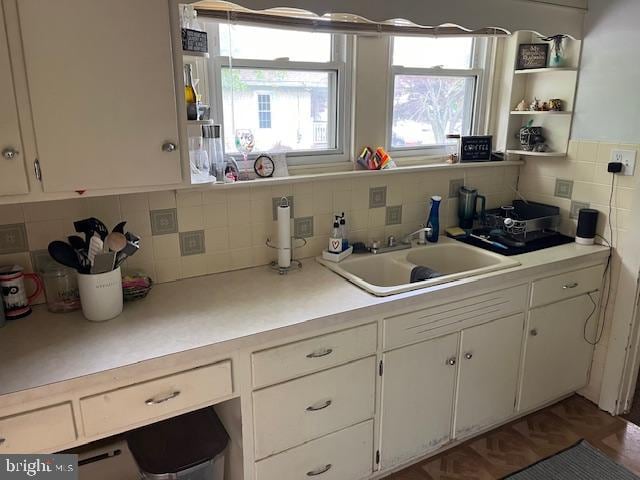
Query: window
point(436, 90)
point(264, 111)
point(298, 82)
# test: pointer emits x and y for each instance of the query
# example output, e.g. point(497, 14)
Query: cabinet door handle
point(468, 355)
point(10, 153)
point(569, 286)
point(319, 471)
point(534, 332)
point(451, 361)
point(169, 147)
point(2, 440)
point(156, 401)
point(320, 353)
point(315, 408)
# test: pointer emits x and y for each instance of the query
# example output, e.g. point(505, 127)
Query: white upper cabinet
point(101, 84)
point(13, 178)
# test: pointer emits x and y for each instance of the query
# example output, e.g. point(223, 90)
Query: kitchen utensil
point(103, 262)
point(89, 226)
point(116, 241)
point(468, 206)
point(64, 254)
point(14, 294)
point(61, 290)
point(489, 242)
point(101, 295)
point(96, 245)
point(119, 227)
point(76, 242)
point(132, 237)
point(128, 251)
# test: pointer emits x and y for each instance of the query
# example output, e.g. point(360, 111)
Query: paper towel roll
point(284, 234)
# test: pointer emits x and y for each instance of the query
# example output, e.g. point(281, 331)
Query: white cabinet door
point(557, 356)
point(488, 374)
point(417, 387)
point(13, 178)
point(101, 84)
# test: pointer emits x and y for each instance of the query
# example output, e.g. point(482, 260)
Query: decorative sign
point(476, 148)
point(532, 55)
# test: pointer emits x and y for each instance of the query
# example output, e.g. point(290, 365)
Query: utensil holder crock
point(101, 295)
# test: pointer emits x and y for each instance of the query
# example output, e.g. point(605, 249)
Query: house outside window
point(264, 110)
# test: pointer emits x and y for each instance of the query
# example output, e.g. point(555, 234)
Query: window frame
point(479, 70)
point(339, 103)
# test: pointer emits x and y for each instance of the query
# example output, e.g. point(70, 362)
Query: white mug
point(101, 295)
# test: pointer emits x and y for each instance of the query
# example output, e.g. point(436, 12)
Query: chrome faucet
point(422, 239)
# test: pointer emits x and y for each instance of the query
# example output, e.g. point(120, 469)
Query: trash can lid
point(178, 443)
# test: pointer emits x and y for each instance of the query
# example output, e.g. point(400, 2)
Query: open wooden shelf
point(537, 154)
point(546, 70)
point(199, 122)
point(550, 113)
point(188, 53)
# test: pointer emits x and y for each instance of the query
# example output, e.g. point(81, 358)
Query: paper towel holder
point(295, 264)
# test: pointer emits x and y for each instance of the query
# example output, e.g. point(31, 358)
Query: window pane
point(432, 52)
point(427, 108)
point(295, 105)
point(259, 43)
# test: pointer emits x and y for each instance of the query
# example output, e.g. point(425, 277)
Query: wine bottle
point(190, 95)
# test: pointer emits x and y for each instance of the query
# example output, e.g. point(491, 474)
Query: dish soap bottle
point(343, 233)
point(335, 239)
point(434, 219)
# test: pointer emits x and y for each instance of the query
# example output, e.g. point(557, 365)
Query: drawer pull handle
point(319, 471)
point(315, 408)
point(570, 285)
point(451, 361)
point(468, 355)
point(2, 440)
point(320, 353)
point(156, 401)
point(534, 332)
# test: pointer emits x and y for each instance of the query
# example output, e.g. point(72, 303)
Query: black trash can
point(188, 447)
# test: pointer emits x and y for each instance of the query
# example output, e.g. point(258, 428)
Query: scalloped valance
point(431, 17)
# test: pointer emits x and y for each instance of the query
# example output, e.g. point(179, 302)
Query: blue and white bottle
point(434, 219)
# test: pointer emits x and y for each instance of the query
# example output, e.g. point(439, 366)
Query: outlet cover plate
point(627, 158)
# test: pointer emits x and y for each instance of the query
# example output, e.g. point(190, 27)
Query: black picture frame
point(476, 148)
point(532, 55)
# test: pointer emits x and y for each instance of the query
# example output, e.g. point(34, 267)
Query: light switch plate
point(627, 158)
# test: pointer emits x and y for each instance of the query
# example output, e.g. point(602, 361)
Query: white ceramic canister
point(101, 295)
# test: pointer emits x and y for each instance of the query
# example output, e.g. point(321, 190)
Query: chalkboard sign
point(476, 149)
point(532, 55)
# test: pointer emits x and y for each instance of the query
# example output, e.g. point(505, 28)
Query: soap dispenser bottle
point(335, 239)
point(343, 232)
point(433, 221)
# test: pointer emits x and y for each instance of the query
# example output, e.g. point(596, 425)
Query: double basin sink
point(390, 273)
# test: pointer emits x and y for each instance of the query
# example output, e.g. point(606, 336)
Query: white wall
point(608, 103)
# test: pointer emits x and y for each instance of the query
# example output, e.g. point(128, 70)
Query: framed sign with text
point(476, 148)
point(532, 55)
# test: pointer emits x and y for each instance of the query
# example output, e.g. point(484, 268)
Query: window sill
point(333, 171)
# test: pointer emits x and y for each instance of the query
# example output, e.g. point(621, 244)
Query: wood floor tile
point(530, 439)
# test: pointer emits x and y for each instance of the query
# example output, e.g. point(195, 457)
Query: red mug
point(14, 294)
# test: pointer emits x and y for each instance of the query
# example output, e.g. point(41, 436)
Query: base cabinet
point(557, 354)
point(417, 387)
point(488, 374)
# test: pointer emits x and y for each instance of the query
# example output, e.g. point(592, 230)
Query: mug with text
point(14, 293)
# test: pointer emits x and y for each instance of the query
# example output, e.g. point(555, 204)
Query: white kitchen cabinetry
point(557, 355)
point(101, 84)
point(13, 178)
point(488, 374)
point(417, 398)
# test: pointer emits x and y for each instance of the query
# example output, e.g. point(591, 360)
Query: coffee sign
point(532, 55)
point(476, 148)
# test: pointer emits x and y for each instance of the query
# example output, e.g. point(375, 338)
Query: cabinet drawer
point(343, 455)
point(296, 359)
point(566, 285)
point(138, 403)
point(292, 413)
point(38, 431)
point(420, 325)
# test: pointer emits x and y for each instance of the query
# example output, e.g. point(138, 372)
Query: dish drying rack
point(524, 220)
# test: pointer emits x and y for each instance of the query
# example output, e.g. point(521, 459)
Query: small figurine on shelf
point(522, 106)
point(544, 107)
point(534, 106)
point(532, 138)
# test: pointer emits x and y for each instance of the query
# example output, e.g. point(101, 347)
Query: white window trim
point(342, 63)
point(481, 56)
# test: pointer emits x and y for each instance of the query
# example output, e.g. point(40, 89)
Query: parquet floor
point(530, 439)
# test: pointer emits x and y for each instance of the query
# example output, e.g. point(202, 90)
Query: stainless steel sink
point(390, 273)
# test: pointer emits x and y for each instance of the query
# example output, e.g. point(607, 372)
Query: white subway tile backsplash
point(162, 200)
point(190, 218)
point(166, 246)
point(11, 214)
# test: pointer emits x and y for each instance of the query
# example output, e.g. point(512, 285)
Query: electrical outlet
point(627, 158)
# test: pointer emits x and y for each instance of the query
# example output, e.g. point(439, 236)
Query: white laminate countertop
point(47, 348)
